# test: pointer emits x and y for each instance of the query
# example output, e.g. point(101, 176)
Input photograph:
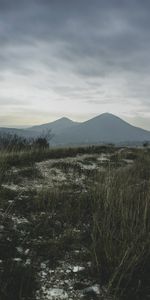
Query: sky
point(74, 58)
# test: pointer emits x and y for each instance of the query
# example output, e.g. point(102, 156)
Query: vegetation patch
point(86, 237)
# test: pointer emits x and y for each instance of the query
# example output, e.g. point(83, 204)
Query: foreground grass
point(112, 216)
point(121, 230)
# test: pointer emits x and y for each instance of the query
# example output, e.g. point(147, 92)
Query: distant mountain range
point(105, 128)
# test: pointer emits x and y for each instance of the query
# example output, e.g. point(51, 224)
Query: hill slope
point(20, 132)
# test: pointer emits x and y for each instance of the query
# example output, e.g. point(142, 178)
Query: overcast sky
point(74, 58)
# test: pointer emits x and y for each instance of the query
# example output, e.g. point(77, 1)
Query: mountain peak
point(56, 126)
point(64, 119)
point(107, 117)
point(107, 114)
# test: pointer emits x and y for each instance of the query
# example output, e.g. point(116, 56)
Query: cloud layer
point(74, 58)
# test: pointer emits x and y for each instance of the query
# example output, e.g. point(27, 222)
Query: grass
point(110, 220)
point(19, 158)
point(118, 208)
point(121, 230)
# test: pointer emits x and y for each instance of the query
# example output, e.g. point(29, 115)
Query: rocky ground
point(44, 254)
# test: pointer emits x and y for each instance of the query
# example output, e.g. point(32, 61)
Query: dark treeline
point(11, 142)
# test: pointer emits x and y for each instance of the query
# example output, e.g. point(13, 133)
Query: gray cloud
point(90, 52)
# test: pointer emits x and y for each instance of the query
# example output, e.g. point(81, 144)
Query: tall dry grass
point(121, 229)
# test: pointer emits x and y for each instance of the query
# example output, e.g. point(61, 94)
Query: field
point(75, 224)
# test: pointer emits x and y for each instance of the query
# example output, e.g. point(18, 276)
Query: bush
point(41, 143)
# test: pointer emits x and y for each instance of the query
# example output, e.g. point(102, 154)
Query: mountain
point(105, 128)
point(56, 127)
